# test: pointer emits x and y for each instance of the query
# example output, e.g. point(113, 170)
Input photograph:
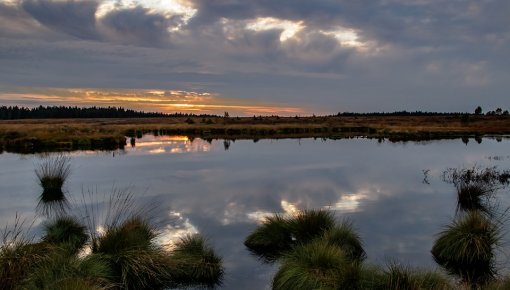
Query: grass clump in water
point(52, 174)
point(476, 186)
point(345, 237)
point(271, 239)
point(136, 262)
point(196, 263)
point(317, 265)
point(277, 235)
point(466, 248)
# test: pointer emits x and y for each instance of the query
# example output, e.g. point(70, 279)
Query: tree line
point(51, 112)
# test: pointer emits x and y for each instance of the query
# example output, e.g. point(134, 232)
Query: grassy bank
point(105, 134)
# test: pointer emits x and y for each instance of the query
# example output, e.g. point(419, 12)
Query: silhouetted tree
point(478, 110)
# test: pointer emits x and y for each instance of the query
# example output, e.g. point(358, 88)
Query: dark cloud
point(416, 54)
point(76, 18)
point(139, 26)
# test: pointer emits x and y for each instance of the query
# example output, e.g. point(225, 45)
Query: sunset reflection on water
point(153, 145)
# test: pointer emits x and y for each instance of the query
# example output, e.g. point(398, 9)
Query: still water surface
point(203, 187)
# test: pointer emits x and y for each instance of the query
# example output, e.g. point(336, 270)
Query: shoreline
point(47, 135)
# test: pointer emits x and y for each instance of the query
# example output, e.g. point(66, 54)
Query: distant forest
point(68, 112)
point(60, 112)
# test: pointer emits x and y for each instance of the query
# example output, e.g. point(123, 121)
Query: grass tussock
point(59, 271)
point(400, 277)
point(17, 254)
point(501, 284)
point(310, 224)
point(396, 276)
point(52, 173)
point(467, 248)
point(271, 239)
point(345, 237)
point(278, 234)
point(317, 265)
point(196, 263)
point(66, 232)
point(136, 261)
point(18, 260)
point(134, 234)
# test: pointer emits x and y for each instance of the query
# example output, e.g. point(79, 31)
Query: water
point(201, 187)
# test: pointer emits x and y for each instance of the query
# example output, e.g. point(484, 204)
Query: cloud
point(76, 18)
point(325, 55)
point(138, 26)
point(169, 101)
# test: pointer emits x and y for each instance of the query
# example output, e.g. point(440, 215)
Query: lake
point(392, 192)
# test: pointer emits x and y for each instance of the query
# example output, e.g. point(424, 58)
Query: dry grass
point(90, 133)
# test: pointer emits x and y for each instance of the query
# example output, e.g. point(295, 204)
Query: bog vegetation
point(73, 254)
point(313, 250)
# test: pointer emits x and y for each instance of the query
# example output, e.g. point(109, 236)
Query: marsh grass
point(401, 277)
point(66, 232)
point(307, 225)
point(59, 270)
point(344, 236)
point(271, 239)
point(501, 284)
point(475, 197)
point(196, 263)
point(317, 265)
point(133, 234)
point(278, 234)
point(476, 187)
point(128, 242)
point(467, 248)
point(18, 254)
point(129, 247)
point(52, 173)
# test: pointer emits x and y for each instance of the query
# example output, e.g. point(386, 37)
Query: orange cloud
point(169, 101)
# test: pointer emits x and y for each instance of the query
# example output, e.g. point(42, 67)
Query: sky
point(257, 57)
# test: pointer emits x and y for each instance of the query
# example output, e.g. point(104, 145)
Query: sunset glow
point(168, 101)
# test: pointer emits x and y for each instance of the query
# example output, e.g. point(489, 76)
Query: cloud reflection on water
point(225, 194)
